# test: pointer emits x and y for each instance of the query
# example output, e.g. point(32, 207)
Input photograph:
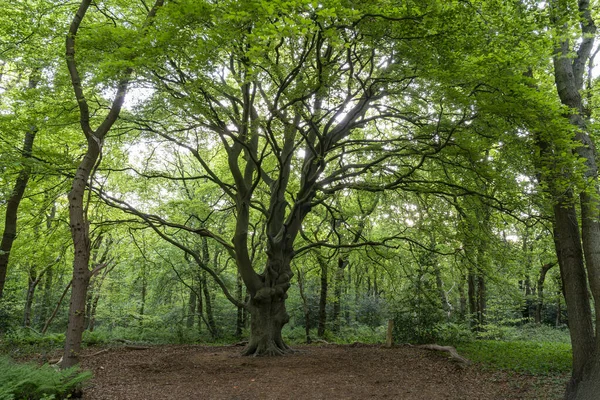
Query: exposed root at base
point(448, 349)
point(271, 350)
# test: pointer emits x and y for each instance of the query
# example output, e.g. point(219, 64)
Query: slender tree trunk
point(472, 296)
point(47, 295)
point(481, 300)
point(92, 316)
point(323, 297)
point(200, 308)
point(540, 292)
point(33, 281)
point(239, 293)
point(337, 293)
point(60, 300)
point(305, 307)
point(462, 298)
point(192, 302)
point(77, 212)
point(144, 294)
point(12, 205)
point(210, 318)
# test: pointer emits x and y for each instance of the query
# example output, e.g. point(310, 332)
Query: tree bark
point(210, 318)
point(569, 69)
point(12, 205)
point(191, 308)
point(77, 212)
point(269, 315)
point(56, 308)
point(239, 323)
point(540, 292)
point(305, 307)
point(33, 281)
point(322, 297)
point(337, 294)
point(472, 297)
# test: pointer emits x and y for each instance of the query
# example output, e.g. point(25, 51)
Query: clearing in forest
point(313, 372)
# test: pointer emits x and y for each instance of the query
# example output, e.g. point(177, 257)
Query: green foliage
point(25, 341)
point(529, 332)
point(531, 357)
point(31, 382)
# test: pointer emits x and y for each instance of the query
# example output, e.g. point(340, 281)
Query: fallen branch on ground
point(448, 349)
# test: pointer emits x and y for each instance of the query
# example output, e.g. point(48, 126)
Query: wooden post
point(389, 340)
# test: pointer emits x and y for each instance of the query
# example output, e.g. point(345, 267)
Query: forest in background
point(299, 170)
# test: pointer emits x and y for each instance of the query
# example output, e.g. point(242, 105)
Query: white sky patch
point(136, 96)
point(512, 238)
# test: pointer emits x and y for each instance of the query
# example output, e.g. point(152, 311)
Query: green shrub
point(95, 338)
point(31, 382)
point(452, 333)
point(25, 341)
point(538, 358)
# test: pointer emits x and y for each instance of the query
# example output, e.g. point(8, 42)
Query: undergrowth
point(530, 357)
point(31, 382)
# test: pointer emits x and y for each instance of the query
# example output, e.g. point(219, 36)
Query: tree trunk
point(472, 296)
point(575, 289)
point(60, 300)
point(33, 281)
point(481, 300)
point(77, 212)
point(46, 296)
point(305, 307)
point(337, 293)
point(210, 318)
point(143, 294)
point(191, 308)
point(268, 316)
point(322, 297)
point(239, 293)
point(540, 292)
point(200, 308)
point(462, 297)
point(12, 205)
point(92, 316)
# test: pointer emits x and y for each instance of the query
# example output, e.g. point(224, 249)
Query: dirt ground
point(312, 372)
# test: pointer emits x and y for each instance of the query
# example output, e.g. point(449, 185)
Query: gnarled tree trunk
point(268, 311)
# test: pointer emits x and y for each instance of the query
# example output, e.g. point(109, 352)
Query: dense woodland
point(294, 170)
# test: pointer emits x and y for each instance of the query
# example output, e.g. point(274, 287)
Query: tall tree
point(78, 218)
point(12, 207)
point(578, 251)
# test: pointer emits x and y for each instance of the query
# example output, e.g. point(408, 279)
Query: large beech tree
point(282, 107)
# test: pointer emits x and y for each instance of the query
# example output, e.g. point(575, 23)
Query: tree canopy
point(245, 166)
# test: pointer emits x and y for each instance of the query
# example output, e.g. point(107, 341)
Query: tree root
point(448, 349)
point(270, 350)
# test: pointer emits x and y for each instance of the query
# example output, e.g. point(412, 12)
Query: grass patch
point(536, 358)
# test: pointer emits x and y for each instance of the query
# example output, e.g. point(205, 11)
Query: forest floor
point(312, 372)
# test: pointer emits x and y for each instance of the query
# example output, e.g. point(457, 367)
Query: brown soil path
point(324, 372)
